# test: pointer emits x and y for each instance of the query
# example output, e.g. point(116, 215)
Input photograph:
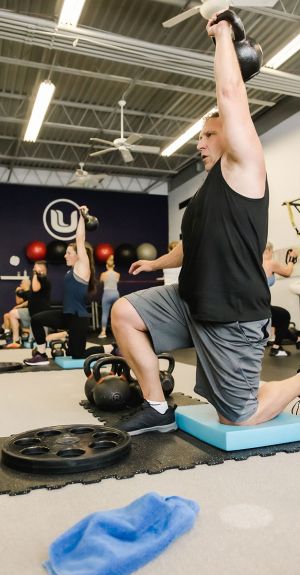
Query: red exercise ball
point(103, 251)
point(36, 251)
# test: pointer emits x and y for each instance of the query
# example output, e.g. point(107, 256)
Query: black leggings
point(281, 321)
point(77, 328)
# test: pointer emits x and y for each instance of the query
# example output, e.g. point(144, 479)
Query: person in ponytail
point(79, 284)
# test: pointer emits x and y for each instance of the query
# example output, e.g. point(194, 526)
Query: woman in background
point(280, 316)
point(79, 284)
point(109, 280)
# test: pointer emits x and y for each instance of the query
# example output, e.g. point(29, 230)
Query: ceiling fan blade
point(181, 17)
point(145, 149)
point(133, 138)
point(101, 141)
point(258, 3)
point(101, 152)
point(126, 155)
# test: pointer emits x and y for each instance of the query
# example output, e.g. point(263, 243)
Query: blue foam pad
point(67, 362)
point(202, 422)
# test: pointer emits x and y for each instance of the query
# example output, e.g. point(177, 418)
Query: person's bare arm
point(243, 163)
point(171, 260)
point(82, 266)
point(282, 270)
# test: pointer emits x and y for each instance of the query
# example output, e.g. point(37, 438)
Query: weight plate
point(9, 366)
point(65, 448)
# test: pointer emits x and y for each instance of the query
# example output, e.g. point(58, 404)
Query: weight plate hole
point(37, 450)
point(27, 441)
point(109, 435)
point(103, 444)
point(49, 433)
point(70, 452)
point(81, 430)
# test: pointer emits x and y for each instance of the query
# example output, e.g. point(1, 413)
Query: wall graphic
point(39, 214)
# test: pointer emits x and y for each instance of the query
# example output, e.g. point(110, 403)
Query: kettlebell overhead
point(248, 51)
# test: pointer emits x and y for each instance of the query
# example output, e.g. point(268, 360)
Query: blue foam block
point(67, 362)
point(202, 422)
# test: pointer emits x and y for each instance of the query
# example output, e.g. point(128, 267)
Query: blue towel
point(120, 541)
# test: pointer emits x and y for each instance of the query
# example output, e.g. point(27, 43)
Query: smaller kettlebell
point(166, 377)
point(58, 348)
point(87, 368)
point(91, 222)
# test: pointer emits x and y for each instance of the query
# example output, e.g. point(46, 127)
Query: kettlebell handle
point(115, 362)
point(236, 23)
point(170, 359)
point(92, 359)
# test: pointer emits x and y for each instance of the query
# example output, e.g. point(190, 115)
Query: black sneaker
point(148, 419)
point(38, 359)
point(279, 352)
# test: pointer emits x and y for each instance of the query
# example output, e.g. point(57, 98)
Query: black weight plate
point(65, 448)
point(9, 366)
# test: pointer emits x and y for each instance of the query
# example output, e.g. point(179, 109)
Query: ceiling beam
point(122, 49)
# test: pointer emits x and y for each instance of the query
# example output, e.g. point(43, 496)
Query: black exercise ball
point(111, 393)
point(125, 255)
point(56, 251)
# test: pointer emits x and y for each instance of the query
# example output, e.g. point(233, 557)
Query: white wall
point(282, 152)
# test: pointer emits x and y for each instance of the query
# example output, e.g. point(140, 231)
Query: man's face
point(211, 142)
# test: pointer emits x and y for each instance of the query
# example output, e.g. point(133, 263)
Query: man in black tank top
point(222, 302)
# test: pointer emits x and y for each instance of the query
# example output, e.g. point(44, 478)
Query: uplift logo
point(61, 221)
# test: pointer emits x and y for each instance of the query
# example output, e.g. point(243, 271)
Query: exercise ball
point(125, 254)
point(102, 252)
point(146, 252)
point(56, 251)
point(36, 251)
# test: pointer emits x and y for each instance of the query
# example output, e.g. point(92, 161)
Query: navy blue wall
point(124, 218)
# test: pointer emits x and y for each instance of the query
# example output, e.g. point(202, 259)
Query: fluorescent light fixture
point(188, 135)
point(287, 52)
point(70, 13)
point(42, 101)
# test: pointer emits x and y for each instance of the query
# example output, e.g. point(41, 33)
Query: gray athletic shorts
point(24, 316)
point(229, 355)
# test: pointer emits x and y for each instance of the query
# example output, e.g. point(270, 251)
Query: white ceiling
point(120, 50)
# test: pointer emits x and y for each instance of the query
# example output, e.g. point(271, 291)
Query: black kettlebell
point(91, 222)
point(87, 368)
point(288, 258)
point(111, 392)
point(166, 379)
point(58, 348)
point(248, 51)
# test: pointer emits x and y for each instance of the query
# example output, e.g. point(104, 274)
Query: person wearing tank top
point(110, 280)
point(280, 316)
point(79, 283)
point(222, 303)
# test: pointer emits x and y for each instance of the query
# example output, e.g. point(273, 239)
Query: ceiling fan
point(210, 7)
point(82, 179)
point(124, 145)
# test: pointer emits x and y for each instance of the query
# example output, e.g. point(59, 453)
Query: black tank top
point(224, 235)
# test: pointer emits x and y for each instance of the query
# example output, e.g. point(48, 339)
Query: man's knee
point(124, 314)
